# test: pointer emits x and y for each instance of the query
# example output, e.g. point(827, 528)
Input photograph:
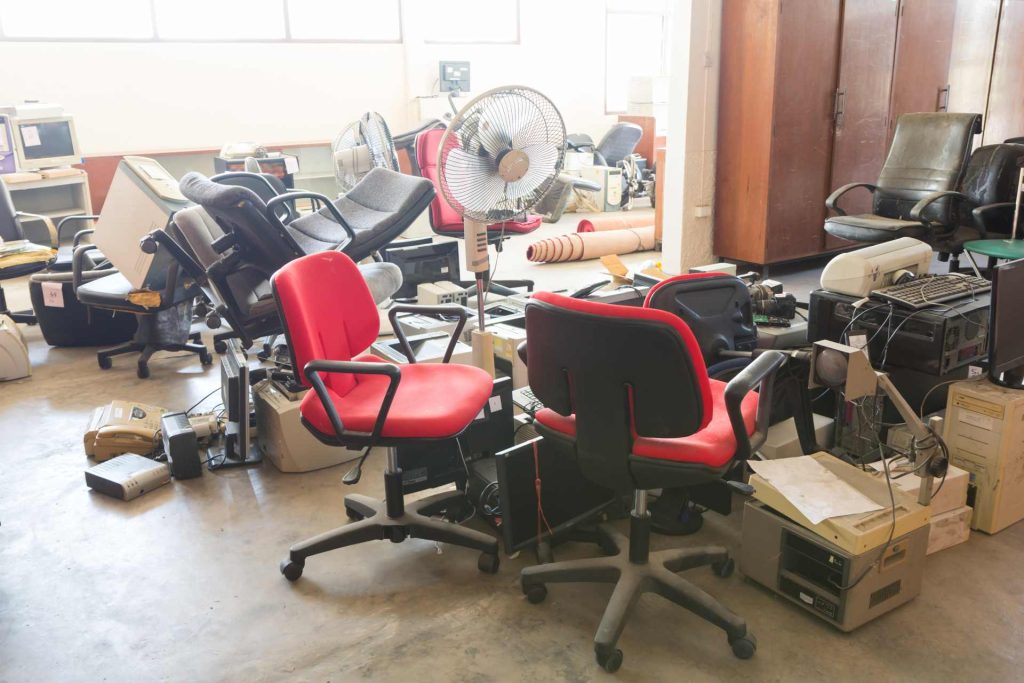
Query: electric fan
point(497, 159)
point(361, 146)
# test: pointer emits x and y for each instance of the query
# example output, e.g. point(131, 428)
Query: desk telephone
point(123, 427)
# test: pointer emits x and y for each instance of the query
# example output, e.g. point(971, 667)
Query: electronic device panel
point(45, 142)
point(423, 262)
point(238, 447)
point(1006, 328)
point(936, 341)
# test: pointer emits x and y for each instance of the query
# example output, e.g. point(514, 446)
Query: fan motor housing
point(513, 165)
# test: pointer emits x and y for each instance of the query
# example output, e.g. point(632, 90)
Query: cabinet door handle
point(839, 107)
point(942, 101)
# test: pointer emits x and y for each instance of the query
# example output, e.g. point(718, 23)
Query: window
point(76, 19)
point(636, 44)
point(219, 19)
point(473, 21)
point(378, 21)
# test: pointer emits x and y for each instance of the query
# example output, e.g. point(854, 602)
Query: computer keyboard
point(525, 399)
point(932, 289)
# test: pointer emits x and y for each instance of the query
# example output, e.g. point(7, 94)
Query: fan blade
point(471, 181)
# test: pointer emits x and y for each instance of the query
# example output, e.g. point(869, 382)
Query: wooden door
point(970, 59)
point(862, 100)
point(805, 79)
point(924, 38)
point(1006, 93)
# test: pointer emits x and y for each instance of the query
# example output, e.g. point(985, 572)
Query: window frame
point(666, 17)
point(518, 40)
point(156, 38)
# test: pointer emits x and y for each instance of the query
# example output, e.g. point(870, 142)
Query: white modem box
point(127, 476)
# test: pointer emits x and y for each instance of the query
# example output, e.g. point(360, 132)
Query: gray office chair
point(265, 185)
point(11, 230)
point(617, 144)
point(928, 155)
point(553, 203)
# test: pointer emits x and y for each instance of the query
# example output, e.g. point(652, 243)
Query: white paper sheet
point(814, 490)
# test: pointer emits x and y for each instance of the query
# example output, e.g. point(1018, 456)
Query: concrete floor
point(182, 584)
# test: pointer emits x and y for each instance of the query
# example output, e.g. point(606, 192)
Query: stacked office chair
point(552, 204)
point(618, 143)
point(360, 401)
point(266, 186)
point(163, 325)
point(635, 422)
point(10, 231)
point(928, 157)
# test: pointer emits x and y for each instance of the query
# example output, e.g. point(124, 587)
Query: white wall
point(142, 97)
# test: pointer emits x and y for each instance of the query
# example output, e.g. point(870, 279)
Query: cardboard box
point(782, 440)
point(984, 430)
point(853, 533)
point(949, 529)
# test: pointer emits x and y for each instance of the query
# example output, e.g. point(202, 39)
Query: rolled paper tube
point(581, 246)
point(616, 221)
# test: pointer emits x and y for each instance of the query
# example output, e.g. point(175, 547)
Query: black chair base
point(146, 350)
point(372, 522)
point(25, 317)
point(655, 573)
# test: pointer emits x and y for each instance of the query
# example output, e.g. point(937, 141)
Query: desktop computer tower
point(824, 579)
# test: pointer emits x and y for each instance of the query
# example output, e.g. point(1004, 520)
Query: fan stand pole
point(478, 262)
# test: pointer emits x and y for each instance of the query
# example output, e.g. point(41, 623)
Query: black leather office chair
point(617, 144)
point(266, 186)
point(41, 257)
point(639, 413)
point(929, 154)
point(164, 317)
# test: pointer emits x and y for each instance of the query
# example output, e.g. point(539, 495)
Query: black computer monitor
point(238, 447)
point(1006, 326)
point(422, 262)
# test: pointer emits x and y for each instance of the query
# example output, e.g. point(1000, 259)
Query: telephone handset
point(118, 439)
point(122, 427)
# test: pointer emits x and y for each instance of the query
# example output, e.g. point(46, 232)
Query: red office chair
point(446, 222)
point(360, 401)
point(627, 389)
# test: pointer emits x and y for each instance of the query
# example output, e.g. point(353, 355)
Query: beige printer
point(860, 272)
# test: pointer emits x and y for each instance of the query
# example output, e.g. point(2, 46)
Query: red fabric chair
point(628, 389)
point(444, 220)
point(360, 401)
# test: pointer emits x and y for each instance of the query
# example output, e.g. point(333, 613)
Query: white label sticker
point(974, 371)
point(495, 403)
point(976, 419)
point(480, 415)
point(858, 341)
point(30, 136)
point(53, 294)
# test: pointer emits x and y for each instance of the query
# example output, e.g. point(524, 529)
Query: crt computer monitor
point(46, 142)
point(1006, 326)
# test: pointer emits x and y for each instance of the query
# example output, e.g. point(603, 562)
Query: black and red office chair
point(360, 401)
point(628, 389)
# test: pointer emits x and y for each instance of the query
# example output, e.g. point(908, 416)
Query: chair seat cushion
point(531, 223)
point(559, 423)
point(110, 291)
point(433, 401)
point(713, 446)
point(871, 228)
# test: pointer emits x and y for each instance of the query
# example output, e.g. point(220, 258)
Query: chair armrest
point(458, 311)
point(79, 236)
point(830, 203)
point(987, 215)
point(74, 219)
point(47, 221)
point(760, 373)
point(316, 196)
point(922, 204)
point(314, 368)
point(77, 259)
point(582, 184)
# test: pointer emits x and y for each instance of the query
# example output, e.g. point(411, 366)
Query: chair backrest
point(619, 142)
point(262, 242)
point(443, 218)
point(10, 228)
point(622, 370)
point(715, 306)
point(929, 153)
point(264, 185)
point(328, 313)
point(992, 174)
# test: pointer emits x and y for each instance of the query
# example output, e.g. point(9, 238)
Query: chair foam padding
point(579, 246)
point(433, 400)
point(714, 445)
point(614, 222)
point(563, 424)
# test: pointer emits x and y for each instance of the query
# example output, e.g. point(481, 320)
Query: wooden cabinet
point(808, 98)
point(970, 59)
point(1005, 116)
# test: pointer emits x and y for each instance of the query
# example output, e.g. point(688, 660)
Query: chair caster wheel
point(725, 568)
point(292, 570)
point(488, 563)
point(142, 371)
point(609, 659)
point(105, 363)
point(536, 594)
point(220, 346)
point(353, 515)
point(745, 647)
point(206, 358)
